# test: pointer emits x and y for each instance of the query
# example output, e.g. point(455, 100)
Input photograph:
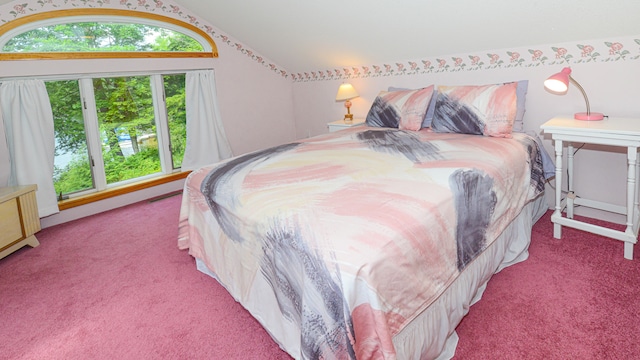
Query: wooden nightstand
point(341, 124)
point(610, 131)
point(19, 218)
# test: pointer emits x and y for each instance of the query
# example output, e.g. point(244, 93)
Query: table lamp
point(346, 92)
point(559, 84)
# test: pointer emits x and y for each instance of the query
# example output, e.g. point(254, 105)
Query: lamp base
point(591, 116)
point(348, 118)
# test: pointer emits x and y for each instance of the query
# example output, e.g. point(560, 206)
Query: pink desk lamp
point(559, 84)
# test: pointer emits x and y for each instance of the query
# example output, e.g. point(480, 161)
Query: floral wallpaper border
point(567, 54)
point(19, 9)
point(594, 51)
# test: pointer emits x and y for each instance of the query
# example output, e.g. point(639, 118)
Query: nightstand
point(621, 132)
point(19, 218)
point(341, 124)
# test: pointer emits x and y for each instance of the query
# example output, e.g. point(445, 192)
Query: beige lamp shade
point(346, 92)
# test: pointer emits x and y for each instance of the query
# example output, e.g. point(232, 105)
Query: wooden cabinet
point(19, 219)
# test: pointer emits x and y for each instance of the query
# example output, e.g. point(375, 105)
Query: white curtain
point(206, 139)
point(5, 162)
point(28, 124)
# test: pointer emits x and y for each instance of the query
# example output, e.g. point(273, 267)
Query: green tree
point(174, 86)
point(125, 106)
point(173, 41)
point(67, 115)
point(86, 36)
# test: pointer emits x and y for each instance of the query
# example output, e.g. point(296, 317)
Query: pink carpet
point(575, 298)
point(115, 286)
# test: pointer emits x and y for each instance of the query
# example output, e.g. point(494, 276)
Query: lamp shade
point(558, 83)
point(346, 92)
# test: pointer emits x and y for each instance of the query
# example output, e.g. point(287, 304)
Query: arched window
point(102, 33)
point(116, 130)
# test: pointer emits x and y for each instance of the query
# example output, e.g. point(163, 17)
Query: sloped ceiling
point(306, 35)
point(303, 35)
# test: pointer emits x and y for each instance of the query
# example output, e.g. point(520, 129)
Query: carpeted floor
point(574, 298)
point(115, 286)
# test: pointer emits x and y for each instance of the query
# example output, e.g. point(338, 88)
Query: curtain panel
point(206, 139)
point(30, 139)
point(5, 161)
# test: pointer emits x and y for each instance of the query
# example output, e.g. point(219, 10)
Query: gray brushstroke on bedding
point(382, 114)
point(213, 183)
point(394, 141)
point(547, 162)
point(475, 202)
point(535, 163)
point(305, 291)
point(453, 116)
point(307, 294)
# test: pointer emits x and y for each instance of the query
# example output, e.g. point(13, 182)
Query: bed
point(370, 242)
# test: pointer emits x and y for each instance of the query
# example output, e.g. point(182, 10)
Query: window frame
point(35, 21)
point(92, 132)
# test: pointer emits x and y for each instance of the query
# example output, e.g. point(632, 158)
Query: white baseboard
point(111, 203)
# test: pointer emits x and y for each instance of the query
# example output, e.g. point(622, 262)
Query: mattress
point(367, 243)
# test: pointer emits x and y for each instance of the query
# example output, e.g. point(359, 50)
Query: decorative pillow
point(488, 110)
point(428, 116)
point(403, 109)
point(521, 92)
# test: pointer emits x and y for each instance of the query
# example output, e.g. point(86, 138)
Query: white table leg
point(636, 204)
point(632, 155)
point(571, 194)
point(557, 228)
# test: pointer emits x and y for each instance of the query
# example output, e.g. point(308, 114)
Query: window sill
point(121, 190)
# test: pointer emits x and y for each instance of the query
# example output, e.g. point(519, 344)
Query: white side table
point(341, 124)
point(622, 132)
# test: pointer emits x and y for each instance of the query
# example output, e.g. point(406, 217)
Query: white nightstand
point(610, 131)
point(341, 124)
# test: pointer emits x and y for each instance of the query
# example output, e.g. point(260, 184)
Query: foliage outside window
point(99, 36)
point(128, 130)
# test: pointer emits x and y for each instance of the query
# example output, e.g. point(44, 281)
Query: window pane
point(96, 36)
point(177, 116)
point(127, 125)
point(72, 172)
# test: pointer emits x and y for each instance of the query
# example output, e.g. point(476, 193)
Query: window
point(102, 33)
point(114, 129)
point(111, 130)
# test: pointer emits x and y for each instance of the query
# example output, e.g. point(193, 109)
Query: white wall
point(613, 88)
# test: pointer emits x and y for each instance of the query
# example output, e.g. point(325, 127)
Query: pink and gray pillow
point(488, 110)
point(518, 124)
point(403, 109)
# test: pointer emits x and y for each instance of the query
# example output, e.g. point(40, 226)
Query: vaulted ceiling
point(300, 35)
point(313, 35)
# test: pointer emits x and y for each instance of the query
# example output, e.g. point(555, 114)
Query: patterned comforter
point(351, 235)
